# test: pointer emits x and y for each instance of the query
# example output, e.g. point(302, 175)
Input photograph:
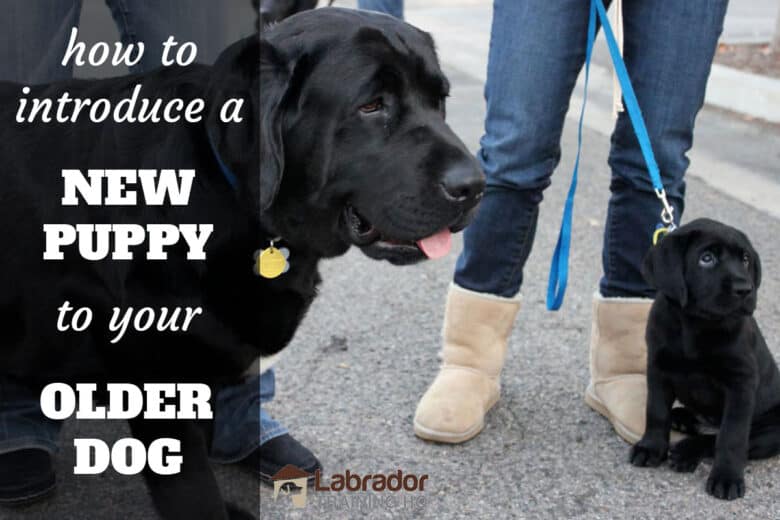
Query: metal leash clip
point(667, 217)
point(667, 214)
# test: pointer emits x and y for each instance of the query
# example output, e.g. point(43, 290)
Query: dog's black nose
point(742, 288)
point(464, 183)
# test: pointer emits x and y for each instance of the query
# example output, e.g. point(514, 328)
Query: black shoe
point(277, 453)
point(26, 476)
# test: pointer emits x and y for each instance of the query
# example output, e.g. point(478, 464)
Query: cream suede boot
point(476, 327)
point(618, 363)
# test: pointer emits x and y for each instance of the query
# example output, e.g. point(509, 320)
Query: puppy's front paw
point(648, 454)
point(725, 485)
point(685, 456)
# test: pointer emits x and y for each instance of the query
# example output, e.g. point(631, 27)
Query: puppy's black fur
point(344, 143)
point(706, 350)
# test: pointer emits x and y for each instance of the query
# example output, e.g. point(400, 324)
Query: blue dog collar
point(226, 172)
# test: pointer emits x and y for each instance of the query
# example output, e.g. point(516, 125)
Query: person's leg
point(536, 52)
point(668, 48)
point(236, 431)
point(33, 37)
point(537, 49)
point(238, 428)
point(391, 7)
point(269, 428)
point(28, 440)
point(236, 425)
point(152, 22)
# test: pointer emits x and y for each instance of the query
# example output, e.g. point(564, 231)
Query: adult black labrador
point(344, 143)
point(706, 350)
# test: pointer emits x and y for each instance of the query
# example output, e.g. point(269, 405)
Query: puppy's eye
point(707, 259)
point(746, 259)
point(375, 106)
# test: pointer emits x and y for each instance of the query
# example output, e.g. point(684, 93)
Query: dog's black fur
point(706, 350)
point(344, 143)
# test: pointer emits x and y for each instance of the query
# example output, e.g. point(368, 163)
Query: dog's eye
point(375, 106)
point(707, 259)
point(746, 259)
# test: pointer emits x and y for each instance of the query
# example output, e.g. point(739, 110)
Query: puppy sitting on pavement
point(706, 351)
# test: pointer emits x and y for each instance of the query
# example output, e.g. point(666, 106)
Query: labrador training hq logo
point(351, 490)
point(294, 482)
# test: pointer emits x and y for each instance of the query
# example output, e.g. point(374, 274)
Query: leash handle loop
point(559, 269)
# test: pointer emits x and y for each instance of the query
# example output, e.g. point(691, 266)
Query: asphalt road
point(349, 383)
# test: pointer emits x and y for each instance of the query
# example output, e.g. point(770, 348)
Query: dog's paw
point(684, 420)
point(647, 454)
point(725, 485)
point(685, 456)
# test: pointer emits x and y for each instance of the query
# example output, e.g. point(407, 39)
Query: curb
point(744, 92)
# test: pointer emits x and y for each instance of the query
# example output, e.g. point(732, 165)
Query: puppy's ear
point(664, 266)
point(755, 262)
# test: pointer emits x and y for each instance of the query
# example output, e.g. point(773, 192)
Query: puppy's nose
point(463, 183)
point(742, 288)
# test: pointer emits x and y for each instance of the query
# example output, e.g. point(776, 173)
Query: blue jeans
point(537, 49)
point(33, 37)
point(236, 421)
point(391, 7)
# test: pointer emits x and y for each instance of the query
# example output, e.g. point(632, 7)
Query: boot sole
point(592, 400)
point(429, 434)
point(627, 435)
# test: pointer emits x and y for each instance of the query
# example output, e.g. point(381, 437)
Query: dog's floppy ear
point(274, 81)
point(234, 76)
point(664, 266)
point(252, 70)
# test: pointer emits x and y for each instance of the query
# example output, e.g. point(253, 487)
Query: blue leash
point(559, 270)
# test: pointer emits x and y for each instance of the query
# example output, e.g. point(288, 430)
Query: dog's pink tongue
point(436, 246)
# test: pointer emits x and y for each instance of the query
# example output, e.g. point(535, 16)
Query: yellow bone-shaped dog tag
point(271, 262)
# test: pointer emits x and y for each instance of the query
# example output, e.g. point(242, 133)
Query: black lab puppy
point(706, 350)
